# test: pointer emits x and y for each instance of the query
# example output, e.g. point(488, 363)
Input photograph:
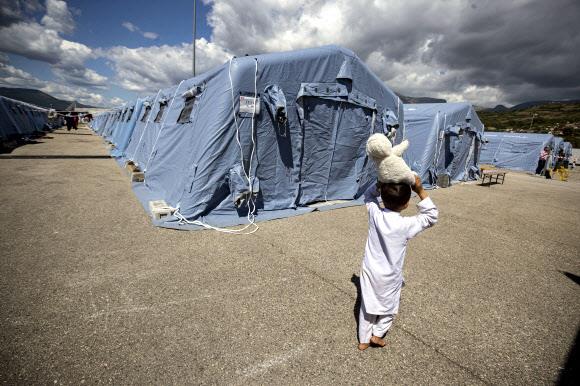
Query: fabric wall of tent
point(445, 139)
point(124, 130)
point(557, 144)
point(515, 151)
point(20, 120)
point(265, 136)
point(567, 147)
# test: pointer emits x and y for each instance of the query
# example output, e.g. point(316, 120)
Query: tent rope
point(250, 202)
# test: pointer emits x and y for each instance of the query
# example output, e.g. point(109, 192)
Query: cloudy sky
point(106, 52)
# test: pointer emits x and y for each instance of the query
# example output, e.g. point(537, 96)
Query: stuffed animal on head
point(391, 167)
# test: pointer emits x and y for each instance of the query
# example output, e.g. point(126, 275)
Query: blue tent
point(567, 147)
point(19, 119)
point(444, 138)
point(515, 151)
point(262, 137)
point(123, 134)
point(9, 128)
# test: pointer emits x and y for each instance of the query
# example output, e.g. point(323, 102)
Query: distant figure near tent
point(76, 122)
point(69, 122)
point(548, 166)
point(544, 154)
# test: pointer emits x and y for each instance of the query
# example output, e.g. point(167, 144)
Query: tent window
point(130, 115)
point(186, 111)
point(146, 113)
point(160, 112)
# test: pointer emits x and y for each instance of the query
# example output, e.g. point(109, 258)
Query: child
point(381, 275)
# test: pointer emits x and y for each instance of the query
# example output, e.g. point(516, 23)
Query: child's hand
point(418, 188)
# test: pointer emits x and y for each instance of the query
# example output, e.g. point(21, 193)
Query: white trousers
point(369, 325)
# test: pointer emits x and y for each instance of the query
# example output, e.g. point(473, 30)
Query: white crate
point(160, 209)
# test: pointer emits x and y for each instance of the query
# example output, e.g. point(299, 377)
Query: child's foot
point(363, 346)
point(376, 341)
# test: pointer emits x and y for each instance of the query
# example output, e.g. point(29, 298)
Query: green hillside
point(561, 119)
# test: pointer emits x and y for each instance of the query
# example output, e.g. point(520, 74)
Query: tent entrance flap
point(333, 150)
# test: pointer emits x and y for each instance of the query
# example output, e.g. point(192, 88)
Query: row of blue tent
point(521, 151)
point(280, 134)
point(20, 120)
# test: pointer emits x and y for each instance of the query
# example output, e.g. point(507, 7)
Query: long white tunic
point(382, 267)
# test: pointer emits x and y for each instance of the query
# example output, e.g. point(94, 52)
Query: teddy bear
point(391, 168)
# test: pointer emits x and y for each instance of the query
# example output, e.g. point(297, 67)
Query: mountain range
point(527, 105)
point(410, 99)
point(38, 98)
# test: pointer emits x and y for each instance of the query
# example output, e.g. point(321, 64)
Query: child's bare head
point(395, 196)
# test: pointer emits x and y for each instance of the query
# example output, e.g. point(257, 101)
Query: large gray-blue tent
point(445, 139)
point(515, 151)
point(269, 134)
point(20, 119)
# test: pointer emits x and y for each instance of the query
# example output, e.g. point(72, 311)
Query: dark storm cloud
point(531, 50)
point(515, 50)
point(13, 11)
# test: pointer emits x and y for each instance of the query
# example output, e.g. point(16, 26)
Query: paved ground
point(90, 291)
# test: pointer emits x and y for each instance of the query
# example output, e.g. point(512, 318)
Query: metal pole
point(194, 32)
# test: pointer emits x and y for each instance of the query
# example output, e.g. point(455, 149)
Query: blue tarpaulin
point(271, 133)
point(515, 151)
point(445, 139)
point(19, 119)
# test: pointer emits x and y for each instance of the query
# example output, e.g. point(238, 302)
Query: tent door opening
point(333, 150)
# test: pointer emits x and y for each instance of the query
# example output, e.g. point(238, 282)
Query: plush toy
point(391, 167)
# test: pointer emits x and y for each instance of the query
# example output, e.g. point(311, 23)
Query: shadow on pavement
point(9, 148)
point(356, 308)
point(571, 276)
point(72, 133)
point(570, 375)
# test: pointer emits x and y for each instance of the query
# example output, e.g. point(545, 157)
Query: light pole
point(194, 32)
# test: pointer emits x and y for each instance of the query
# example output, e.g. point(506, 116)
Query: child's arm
point(428, 212)
point(371, 197)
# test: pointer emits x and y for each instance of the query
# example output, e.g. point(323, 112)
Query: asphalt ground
point(91, 292)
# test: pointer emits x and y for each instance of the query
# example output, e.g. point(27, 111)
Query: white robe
point(381, 275)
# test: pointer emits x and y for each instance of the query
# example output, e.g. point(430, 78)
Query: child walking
point(381, 276)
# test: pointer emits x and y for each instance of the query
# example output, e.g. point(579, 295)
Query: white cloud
point(44, 43)
point(58, 17)
point(11, 76)
point(130, 26)
point(81, 77)
point(14, 77)
point(115, 101)
point(150, 35)
point(148, 69)
point(133, 28)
